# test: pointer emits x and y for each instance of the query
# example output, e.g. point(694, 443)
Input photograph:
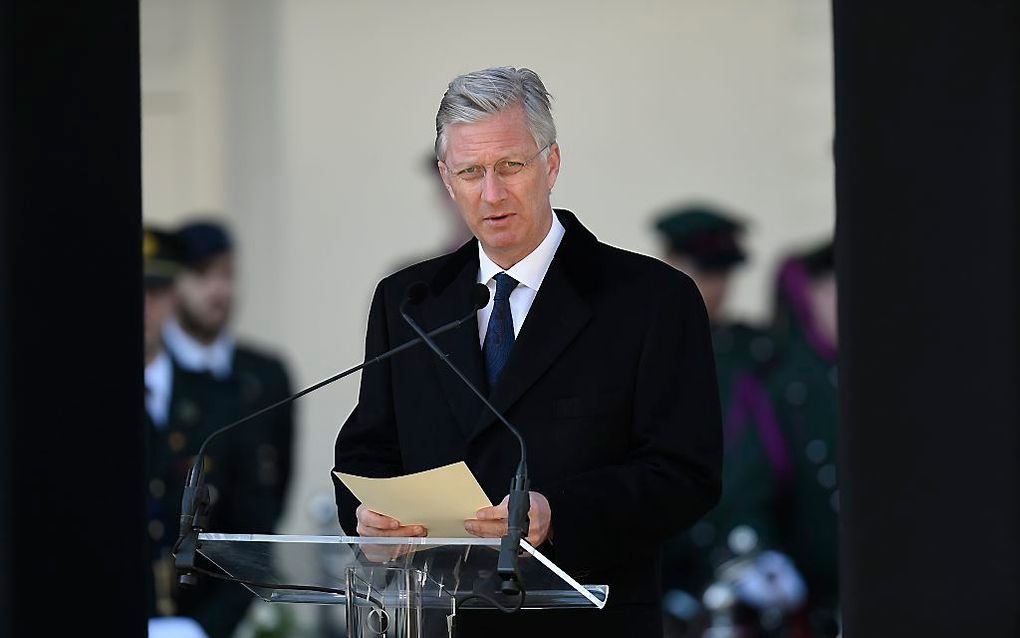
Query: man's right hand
point(375, 524)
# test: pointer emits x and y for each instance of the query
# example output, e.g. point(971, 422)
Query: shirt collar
point(159, 373)
point(531, 270)
point(217, 357)
point(158, 381)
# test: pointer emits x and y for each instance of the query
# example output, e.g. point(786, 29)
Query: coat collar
point(576, 255)
point(560, 310)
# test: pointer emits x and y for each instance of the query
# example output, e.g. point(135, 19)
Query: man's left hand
point(491, 522)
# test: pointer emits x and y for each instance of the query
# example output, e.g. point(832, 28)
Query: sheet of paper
point(440, 499)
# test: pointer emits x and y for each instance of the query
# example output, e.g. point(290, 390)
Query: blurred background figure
point(735, 542)
point(162, 257)
point(213, 381)
point(199, 338)
point(704, 242)
point(803, 386)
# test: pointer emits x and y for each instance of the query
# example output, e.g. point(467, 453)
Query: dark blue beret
point(202, 241)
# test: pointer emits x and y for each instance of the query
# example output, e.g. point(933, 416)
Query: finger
point(374, 519)
point(486, 528)
point(403, 530)
point(537, 534)
point(492, 513)
point(381, 553)
point(539, 518)
point(496, 511)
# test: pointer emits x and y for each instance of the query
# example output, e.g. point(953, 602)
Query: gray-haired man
point(601, 357)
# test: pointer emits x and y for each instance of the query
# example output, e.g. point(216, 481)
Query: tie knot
point(505, 284)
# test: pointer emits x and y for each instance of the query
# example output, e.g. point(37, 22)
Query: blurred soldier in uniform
point(803, 386)
point(214, 382)
point(199, 339)
point(162, 258)
point(704, 243)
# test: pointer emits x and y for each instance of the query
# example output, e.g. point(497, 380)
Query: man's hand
point(491, 522)
point(375, 524)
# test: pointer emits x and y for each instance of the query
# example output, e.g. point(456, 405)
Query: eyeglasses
point(502, 169)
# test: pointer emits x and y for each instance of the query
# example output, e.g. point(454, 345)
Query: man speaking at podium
point(601, 357)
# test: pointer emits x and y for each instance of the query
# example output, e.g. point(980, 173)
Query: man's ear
point(444, 175)
point(552, 164)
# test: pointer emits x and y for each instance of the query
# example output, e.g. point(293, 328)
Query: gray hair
point(475, 96)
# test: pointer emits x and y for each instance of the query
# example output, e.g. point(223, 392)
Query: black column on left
point(72, 448)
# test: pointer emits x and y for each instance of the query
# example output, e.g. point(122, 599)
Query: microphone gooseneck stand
point(519, 501)
point(195, 499)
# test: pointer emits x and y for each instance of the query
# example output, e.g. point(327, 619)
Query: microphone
point(519, 501)
point(195, 499)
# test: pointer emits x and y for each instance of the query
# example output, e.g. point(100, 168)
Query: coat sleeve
point(672, 473)
point(367, 444)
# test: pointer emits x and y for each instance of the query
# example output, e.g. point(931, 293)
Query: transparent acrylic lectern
point(392, 587)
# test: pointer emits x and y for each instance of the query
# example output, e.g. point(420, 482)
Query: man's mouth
point(498, 217)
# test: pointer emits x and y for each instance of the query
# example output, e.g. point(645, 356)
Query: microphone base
point(194, 518)
point(517, 526)
point(507, 566)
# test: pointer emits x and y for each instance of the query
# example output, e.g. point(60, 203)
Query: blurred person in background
point(739, 536)
point(162, 263)
point(803, 385)
point(200, 340)
point(215, 382)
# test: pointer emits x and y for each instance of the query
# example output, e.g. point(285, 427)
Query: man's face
point(206, 295)
point(509, 215)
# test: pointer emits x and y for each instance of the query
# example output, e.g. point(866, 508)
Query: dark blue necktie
point(499, 336)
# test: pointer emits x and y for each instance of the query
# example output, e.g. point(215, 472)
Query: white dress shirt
point(159, 379)
point(190, 354)
point(529, 271)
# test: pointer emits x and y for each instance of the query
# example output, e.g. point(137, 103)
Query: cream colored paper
point(440, 499)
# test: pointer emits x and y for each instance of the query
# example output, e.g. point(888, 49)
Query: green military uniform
point(755, 463)
point(803, 386)
point(757, 466)
point(752, 479)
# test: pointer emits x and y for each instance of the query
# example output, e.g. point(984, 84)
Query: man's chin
point(205, 328)
point(500, 240)
point(216, 327)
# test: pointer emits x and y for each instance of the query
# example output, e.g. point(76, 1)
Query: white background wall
point(307, 122)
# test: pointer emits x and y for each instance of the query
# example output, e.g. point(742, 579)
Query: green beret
point(703, 234)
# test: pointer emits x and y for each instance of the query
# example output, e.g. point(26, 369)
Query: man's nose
point(493, 191)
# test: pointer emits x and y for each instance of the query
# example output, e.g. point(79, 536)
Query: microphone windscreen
point(480, 296)
point(417, 292)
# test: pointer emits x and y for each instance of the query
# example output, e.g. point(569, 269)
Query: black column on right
point(927, 238)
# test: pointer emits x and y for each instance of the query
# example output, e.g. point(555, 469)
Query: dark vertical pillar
point(927, 238)
point(72, 536)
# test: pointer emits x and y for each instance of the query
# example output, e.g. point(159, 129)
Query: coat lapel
point(451, 288)
point(558, 314)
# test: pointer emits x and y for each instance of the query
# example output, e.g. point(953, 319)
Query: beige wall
point(307, 122)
